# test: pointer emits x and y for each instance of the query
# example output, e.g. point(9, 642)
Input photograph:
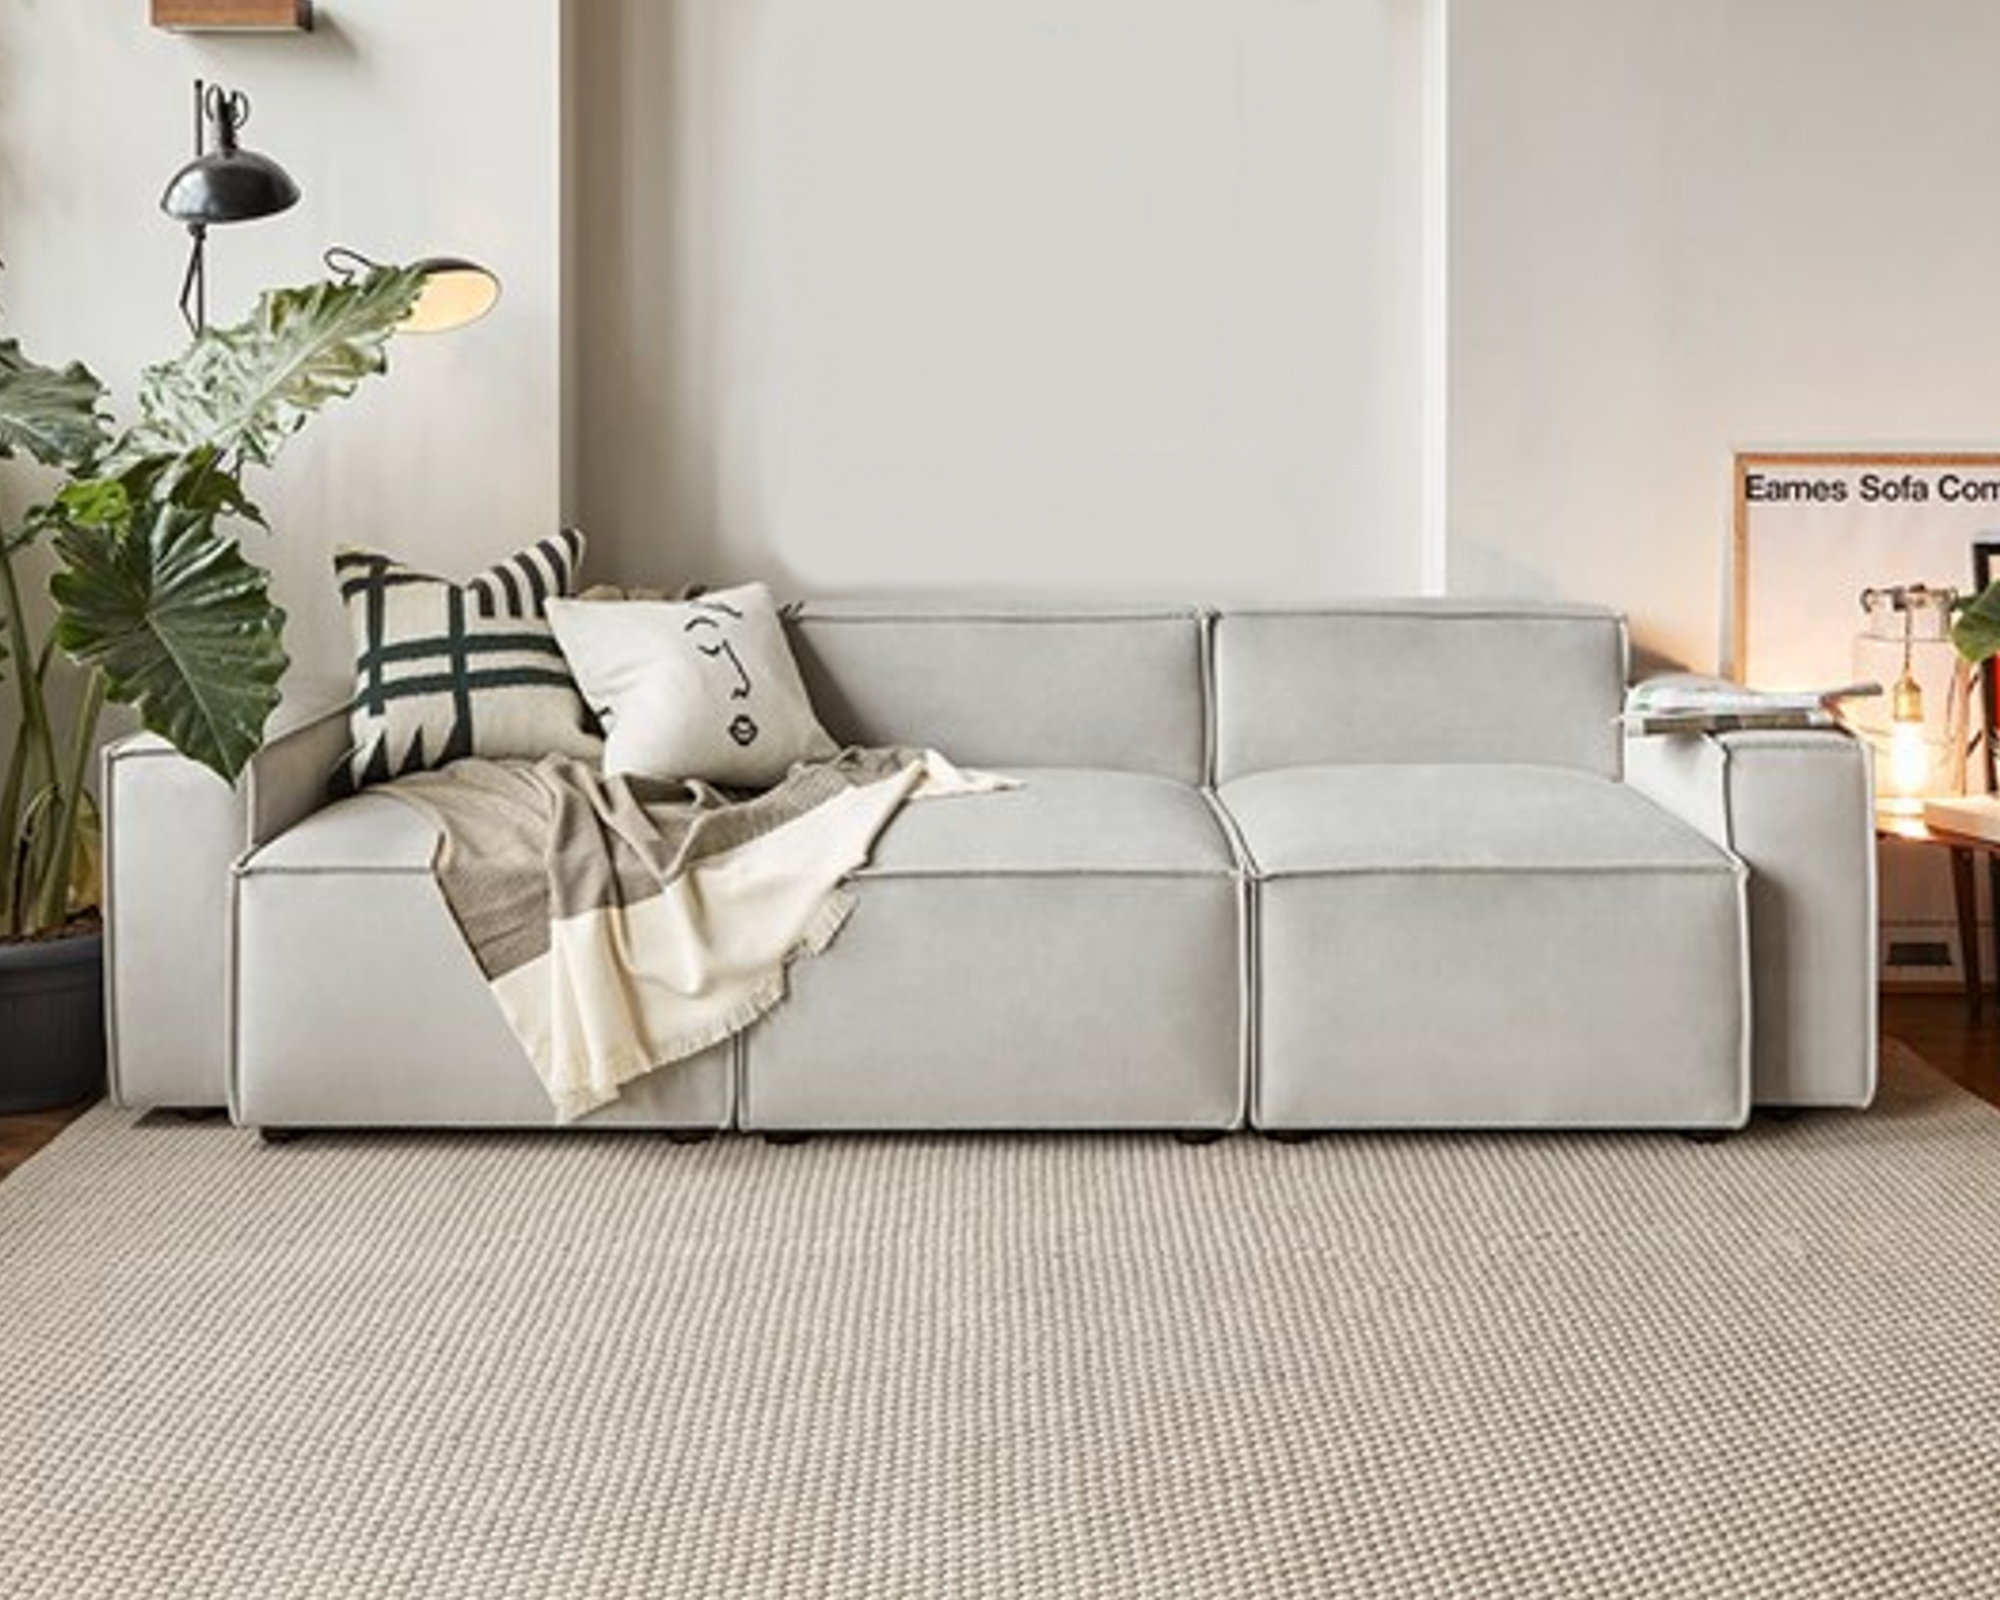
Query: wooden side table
point(1964, 847)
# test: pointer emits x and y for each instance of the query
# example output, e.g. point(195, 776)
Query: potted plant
point(154, 605)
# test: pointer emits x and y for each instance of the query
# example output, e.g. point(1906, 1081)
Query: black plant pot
point(51, 1022)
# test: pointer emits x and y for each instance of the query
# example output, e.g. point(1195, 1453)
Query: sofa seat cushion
point(1063, 955)
point(1328, 819)
point(1489, 947)
point(358, 1004)
point(1059, 820)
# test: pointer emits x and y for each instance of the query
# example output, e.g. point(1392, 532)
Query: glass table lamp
point(1918, 728)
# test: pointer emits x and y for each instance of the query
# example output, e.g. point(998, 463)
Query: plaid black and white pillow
point(444, 670)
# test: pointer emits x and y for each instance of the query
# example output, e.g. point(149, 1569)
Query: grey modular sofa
point(1385, 865)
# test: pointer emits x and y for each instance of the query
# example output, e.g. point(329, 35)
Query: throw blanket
point(624, 924)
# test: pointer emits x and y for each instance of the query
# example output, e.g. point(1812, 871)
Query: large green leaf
point(199, 481)
point(49, 413)
point(182, 626)
point(245, 390)
point(1976, 630)
point(150, 592)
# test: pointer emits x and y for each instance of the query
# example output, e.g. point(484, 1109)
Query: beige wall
point(412, 129)
point(1100, 294)
point(1683, 227)
point(1083, 296)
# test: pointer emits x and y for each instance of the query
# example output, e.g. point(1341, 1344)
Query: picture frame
point(218, 16)
point(1986, 568)
point(1814, 528)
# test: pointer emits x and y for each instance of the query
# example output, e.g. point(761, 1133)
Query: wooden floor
point(1936, 1026)
point(23, 1134)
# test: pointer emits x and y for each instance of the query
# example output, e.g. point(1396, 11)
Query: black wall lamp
point(455, 291)
point(223, 183)
point(226, 183)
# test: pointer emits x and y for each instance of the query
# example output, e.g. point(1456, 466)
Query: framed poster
point(1815, 528)
point(1985, 568)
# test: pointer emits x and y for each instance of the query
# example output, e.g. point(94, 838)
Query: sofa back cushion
point(998, 686)
point(1430, 681)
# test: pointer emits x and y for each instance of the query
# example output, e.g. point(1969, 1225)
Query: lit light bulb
point(1909, 756)
point(1908, 759)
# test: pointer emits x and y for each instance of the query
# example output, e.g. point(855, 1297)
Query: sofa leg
point(280, 1135)
point(1707, 1135)
point(690, 1135)
point(1198, 1136)
point(786, 1136)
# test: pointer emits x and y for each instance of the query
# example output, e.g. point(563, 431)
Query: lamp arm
point(346, 264)
point(194, 284)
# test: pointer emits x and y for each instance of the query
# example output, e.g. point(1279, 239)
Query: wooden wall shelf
point(221, 16)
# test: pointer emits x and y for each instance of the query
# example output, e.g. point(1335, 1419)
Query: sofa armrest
point(288, 779)
point(172, 832)
point(1797, 807)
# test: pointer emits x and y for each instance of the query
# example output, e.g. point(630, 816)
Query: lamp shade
point(455, 292)
point(229, 186)
point(224, 183)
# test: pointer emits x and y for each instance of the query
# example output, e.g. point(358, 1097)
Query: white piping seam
point(108, 833)
point(1872, 988)
point(1249, 908)
point(1726, 784)
point(1613, 766)
point(1598, 869)
point(1209, 739)
point(1011, 874)
point(232, 979)
point(251, 867)
point(1775, 739)
point(1436, 611)
point(802, 611)
point(1440, 608)
point(1245, 864)
point(1746, 1045)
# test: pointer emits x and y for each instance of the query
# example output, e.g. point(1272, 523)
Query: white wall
point(1113, 295)
point(1683, 227)
point(412, 129)
point(1067, 295)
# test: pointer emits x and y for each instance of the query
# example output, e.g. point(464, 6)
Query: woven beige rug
point(580, 1367)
